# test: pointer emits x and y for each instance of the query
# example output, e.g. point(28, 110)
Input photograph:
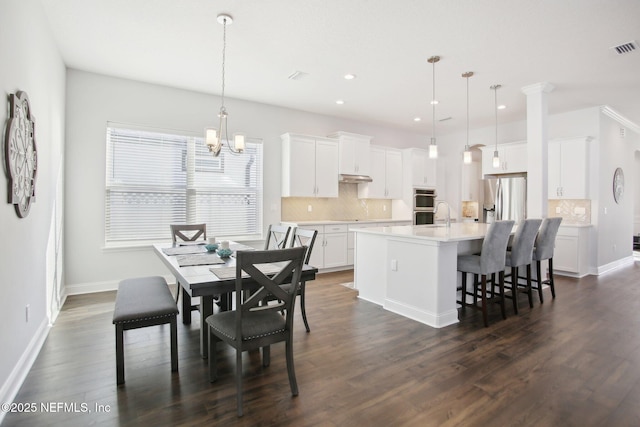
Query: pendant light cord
point(468, 112)
point(433, 102)
point(495, 96)
point(224, 55)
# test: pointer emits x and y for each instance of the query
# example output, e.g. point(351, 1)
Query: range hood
point(354, 179)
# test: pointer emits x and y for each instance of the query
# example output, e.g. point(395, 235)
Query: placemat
point(199, 259)
point(183, 250)
point(224, 273)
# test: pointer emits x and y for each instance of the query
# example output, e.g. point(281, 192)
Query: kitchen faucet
point(448, 211)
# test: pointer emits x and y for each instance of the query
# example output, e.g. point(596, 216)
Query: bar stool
point(543, 250)
point(520, 255)
point(490, 261)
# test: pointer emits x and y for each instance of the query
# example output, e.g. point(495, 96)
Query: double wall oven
point(424, 202)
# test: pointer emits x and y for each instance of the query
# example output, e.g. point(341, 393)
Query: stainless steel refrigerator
point(505, 198)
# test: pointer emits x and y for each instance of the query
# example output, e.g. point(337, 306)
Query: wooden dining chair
point(187, 233)
point(277, 237)
point(253, 325)
point(303, 237)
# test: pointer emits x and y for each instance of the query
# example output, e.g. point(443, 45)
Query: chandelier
point(216, 137)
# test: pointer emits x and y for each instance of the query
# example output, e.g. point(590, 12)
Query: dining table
point(204, 274)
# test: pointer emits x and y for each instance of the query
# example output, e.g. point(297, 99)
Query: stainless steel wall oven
point(423, 205)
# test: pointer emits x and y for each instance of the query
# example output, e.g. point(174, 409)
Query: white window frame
point(223, 215)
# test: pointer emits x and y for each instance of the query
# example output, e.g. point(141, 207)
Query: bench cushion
point(143, 298)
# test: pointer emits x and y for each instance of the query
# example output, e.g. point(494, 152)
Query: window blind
point(155, 179)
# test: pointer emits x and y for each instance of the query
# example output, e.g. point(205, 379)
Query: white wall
point(94, 99)
point(615, 227)
point(30, 255)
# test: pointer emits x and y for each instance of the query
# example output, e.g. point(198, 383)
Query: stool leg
point(119, 353)
point(501, 287)
point(529, 292)
point(174, 343)
point(539, 273)
point(551, 283)
point(514, 288)
point(463, 300)
point(484, 300)
point(475, 289)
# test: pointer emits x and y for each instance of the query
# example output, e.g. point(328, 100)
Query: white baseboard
point(11, 387)
point(614, 265)
point(89, 288)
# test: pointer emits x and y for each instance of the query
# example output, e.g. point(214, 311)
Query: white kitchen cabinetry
point(421, 169)
point(470, 182)
point(568, 164)
point(309, 166)
point(354, 153)
point(386, 172)
point(330, 248)
point(570, 256)
point(513, 158)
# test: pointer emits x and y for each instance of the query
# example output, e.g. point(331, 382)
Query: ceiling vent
point(298, 75)
point(625, 48)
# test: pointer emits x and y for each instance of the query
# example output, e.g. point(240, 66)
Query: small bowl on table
point(211, 247)
point(224, 253)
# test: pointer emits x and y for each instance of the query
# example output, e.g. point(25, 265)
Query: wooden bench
point(142, 302)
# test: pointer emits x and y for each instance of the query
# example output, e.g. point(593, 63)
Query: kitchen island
point(412, 270)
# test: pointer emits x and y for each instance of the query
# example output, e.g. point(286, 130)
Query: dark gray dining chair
point(303, 237)
point(490, 261)
point(253, 325)
point(543, 250)
point(187, 233)
point(520, 255)
point(277, 237)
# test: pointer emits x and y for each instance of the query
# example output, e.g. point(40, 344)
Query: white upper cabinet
point(470, 182)
point(354, 153)
point(422, 169)
point(309, 166)
point(568, 162)
point(513, 159)
point(386, 172)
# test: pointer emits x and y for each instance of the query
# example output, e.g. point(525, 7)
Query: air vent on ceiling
point(297, 75)
point(625, 48)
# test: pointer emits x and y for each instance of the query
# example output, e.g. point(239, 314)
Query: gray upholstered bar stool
point(491, 260)
point(520, 255)
point(543, 250)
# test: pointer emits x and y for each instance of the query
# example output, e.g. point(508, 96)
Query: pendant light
point(215, 137)
point(496, 157)
point(466, 157)
point(433, 147)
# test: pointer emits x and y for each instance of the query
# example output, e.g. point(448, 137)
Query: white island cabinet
point(412, 270)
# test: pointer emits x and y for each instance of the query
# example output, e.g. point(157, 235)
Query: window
point(155, 179)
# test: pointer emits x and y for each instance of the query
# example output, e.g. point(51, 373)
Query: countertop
point(346, 221)
point(456, 232)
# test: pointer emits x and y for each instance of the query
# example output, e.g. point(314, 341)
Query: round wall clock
point(20, 153)
point(618, 185)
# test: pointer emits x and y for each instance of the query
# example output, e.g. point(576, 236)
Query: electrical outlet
point(384, 208)
point(394, 265)
point(26, 313)
point(558, 209)
point(309, 208)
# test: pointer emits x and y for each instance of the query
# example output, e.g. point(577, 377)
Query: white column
point(537, 139)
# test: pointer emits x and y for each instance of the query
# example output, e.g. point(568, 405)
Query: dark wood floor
point(572, 361)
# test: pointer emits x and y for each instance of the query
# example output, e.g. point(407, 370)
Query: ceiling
point(386, 44)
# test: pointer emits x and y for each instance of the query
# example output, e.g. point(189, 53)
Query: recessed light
point(339, 102)
point(349, 76)
point(417, 119)
point(501, 107)
point(434, 102)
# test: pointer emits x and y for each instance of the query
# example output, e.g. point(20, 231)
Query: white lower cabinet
point(570, 256)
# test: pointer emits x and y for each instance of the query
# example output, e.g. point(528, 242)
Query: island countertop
point(458, 231)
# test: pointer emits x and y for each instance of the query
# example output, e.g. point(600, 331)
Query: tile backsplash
point(346, 207)
point(572, 211)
